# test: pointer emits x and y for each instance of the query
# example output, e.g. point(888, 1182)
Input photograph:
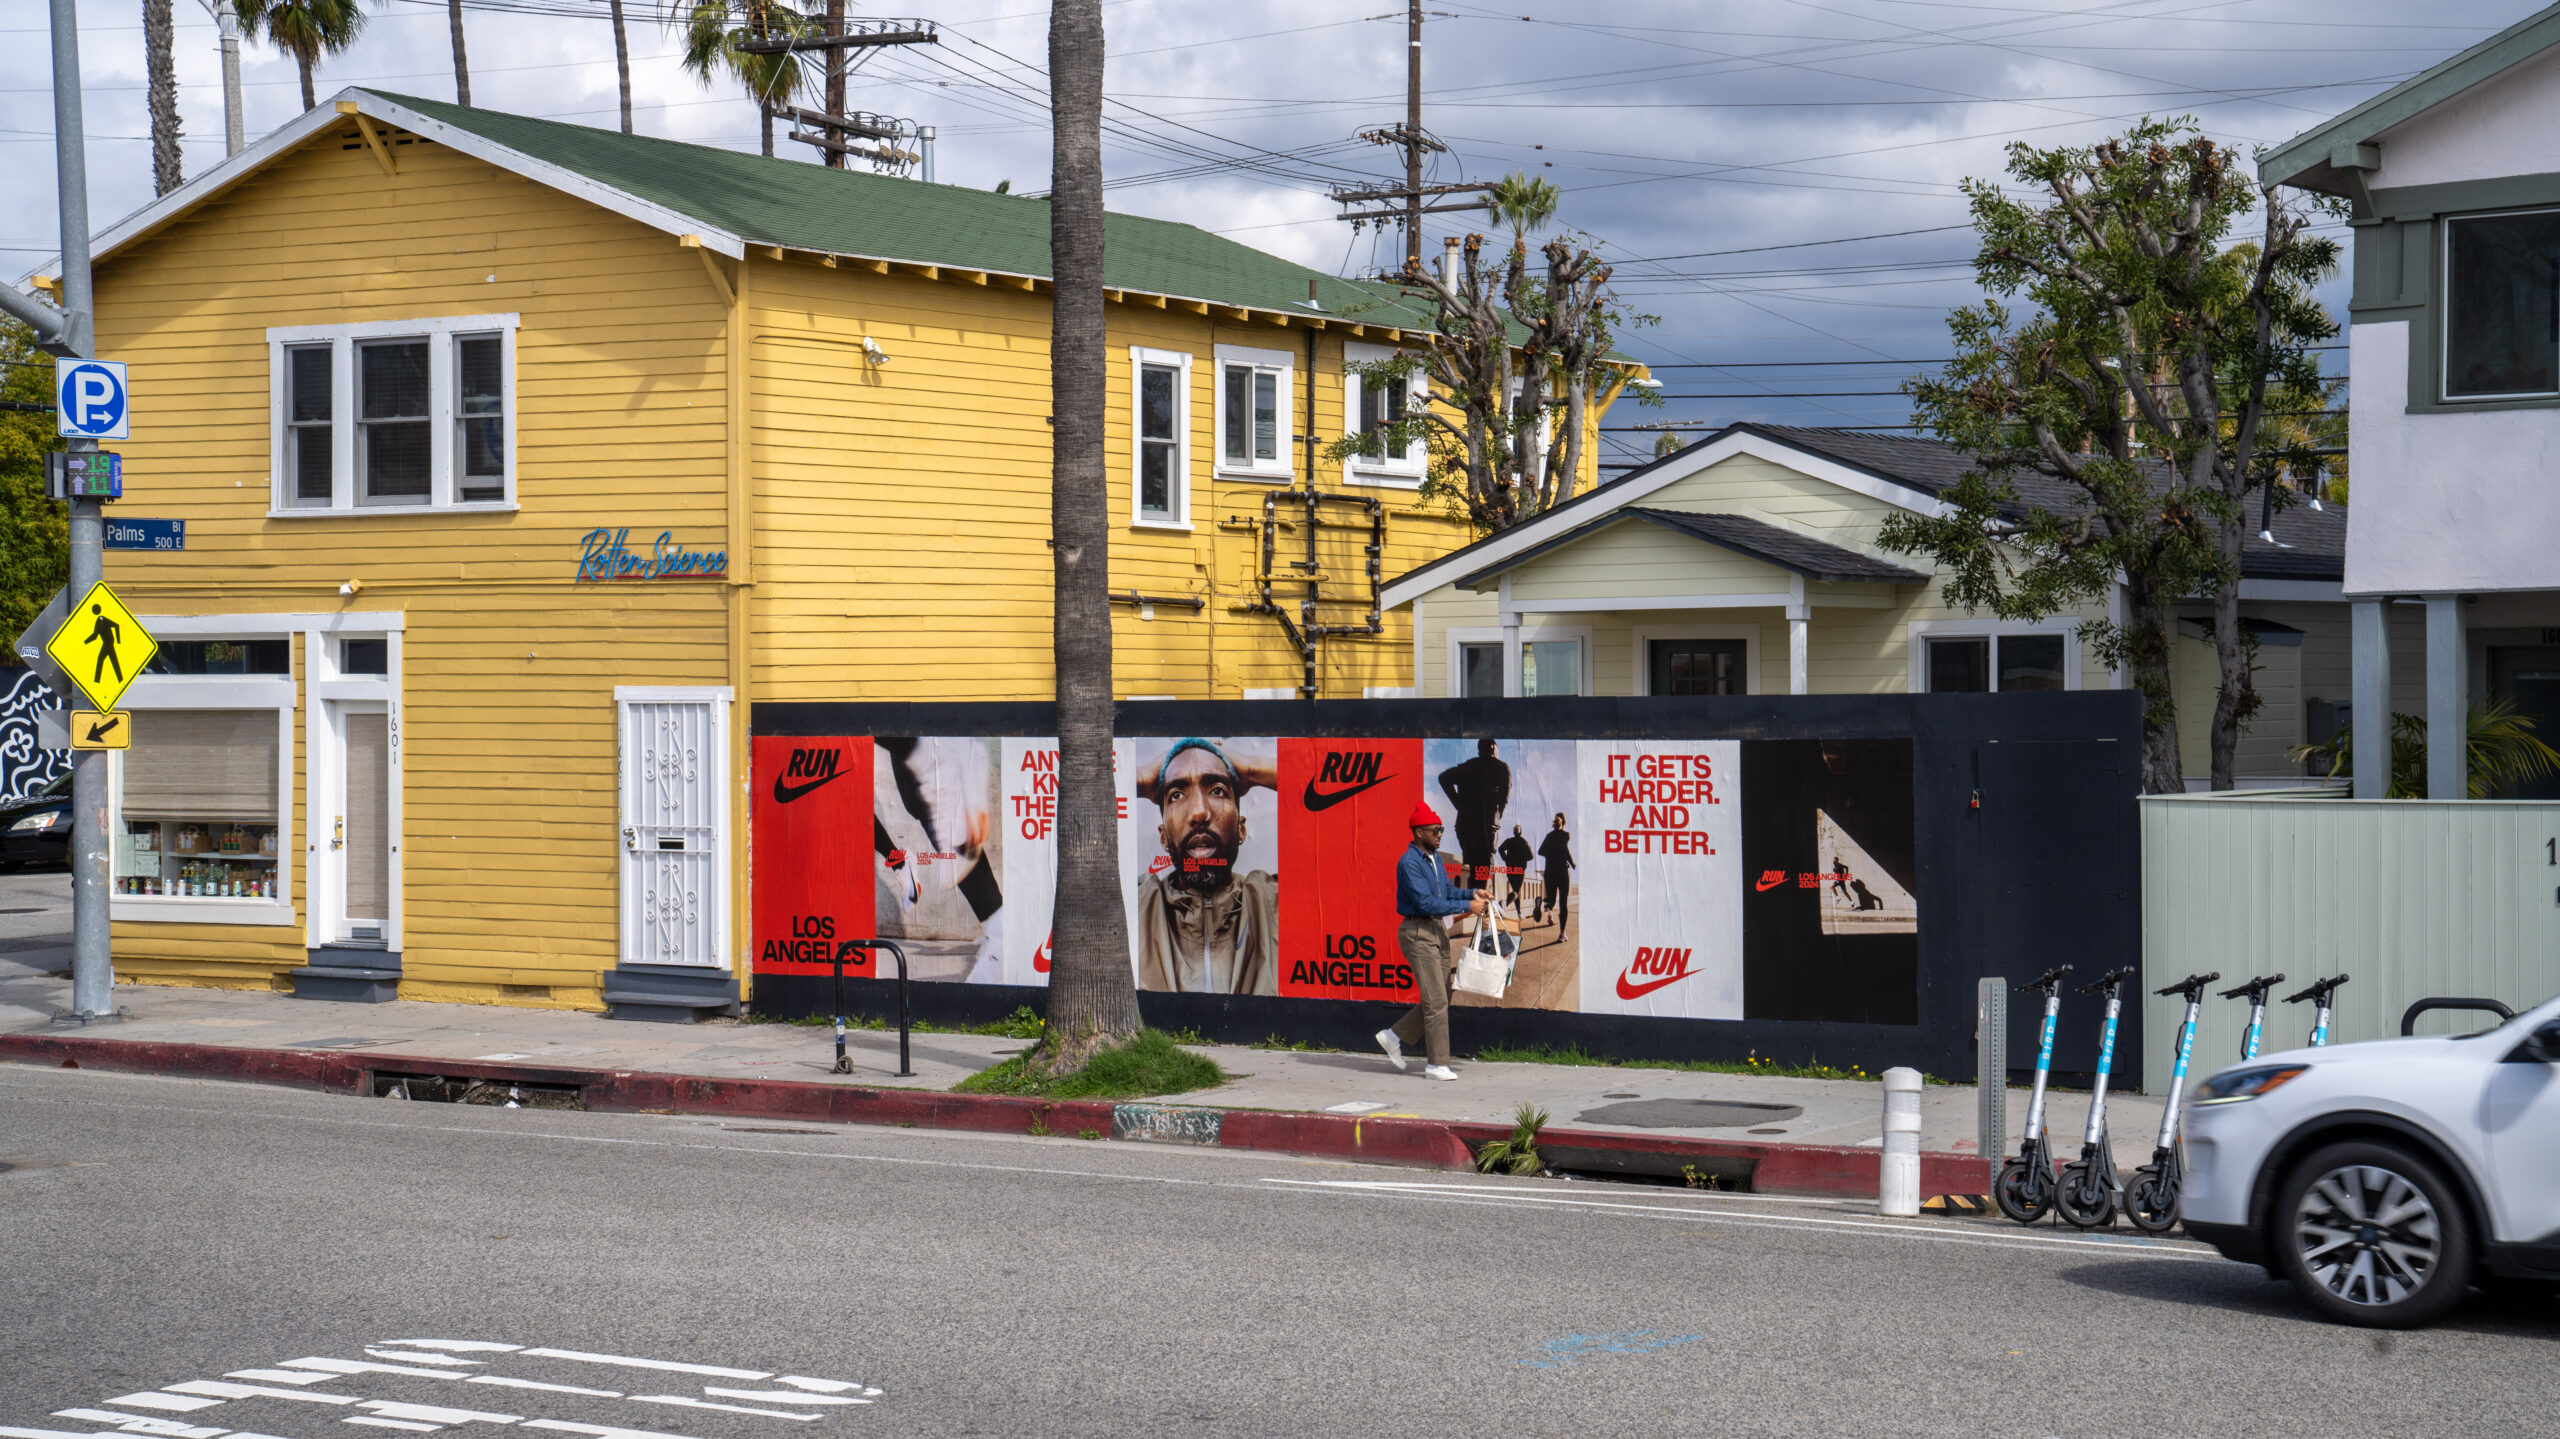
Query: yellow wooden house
point(518, 460)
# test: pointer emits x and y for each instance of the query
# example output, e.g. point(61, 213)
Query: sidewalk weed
point(1153, 1063)
point(1518, 1152)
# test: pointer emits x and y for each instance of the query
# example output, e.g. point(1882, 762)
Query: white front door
point(351, 885)
point(674, 761)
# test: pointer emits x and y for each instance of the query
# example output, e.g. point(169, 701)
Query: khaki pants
point(1426, 948)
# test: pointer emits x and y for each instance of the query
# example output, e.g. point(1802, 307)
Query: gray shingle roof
point(1811, 558)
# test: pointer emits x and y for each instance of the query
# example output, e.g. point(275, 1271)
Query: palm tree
point(160, 64)
point(715, 29)
point(1523, 202)
point(1093, 1002)
point(304, 29)
point(622, 63)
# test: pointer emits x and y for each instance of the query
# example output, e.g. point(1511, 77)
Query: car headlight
point(2242, 1084)
point(46, 819)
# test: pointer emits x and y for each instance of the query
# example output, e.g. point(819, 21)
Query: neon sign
point(607, 555)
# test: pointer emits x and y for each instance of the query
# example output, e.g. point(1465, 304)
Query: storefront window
point(200, 817)
point(223, 657)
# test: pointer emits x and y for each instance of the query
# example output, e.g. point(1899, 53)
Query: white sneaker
point(1394, 1047)
point(1438, 1071)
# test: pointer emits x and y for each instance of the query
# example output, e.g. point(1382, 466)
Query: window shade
point(202, 764)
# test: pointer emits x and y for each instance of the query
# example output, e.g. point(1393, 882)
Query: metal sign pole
point(92, 970)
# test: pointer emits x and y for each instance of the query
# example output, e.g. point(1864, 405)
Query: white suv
point(2385, 1178)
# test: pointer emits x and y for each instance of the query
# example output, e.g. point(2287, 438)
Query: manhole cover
point(1688, 1114)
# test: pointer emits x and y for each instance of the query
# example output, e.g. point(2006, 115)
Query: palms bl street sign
point(101, 647)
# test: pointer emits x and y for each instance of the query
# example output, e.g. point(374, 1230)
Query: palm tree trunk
point(310, 101)
point(764, 111)
point(161, 65)
point(1092, 1000)
point(461, 65)
point(622, 64)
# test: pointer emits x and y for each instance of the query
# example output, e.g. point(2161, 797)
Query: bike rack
point(2409, 1016)
point(845, 951)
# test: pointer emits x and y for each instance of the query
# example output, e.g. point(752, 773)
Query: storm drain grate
point(464, 1089)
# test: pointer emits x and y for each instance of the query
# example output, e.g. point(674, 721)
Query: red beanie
point(1422, 814)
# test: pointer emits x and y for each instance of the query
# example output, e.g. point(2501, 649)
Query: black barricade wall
point(2011, 848)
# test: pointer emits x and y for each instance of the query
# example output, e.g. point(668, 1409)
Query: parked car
point(2386, 1178)
point(37, 829)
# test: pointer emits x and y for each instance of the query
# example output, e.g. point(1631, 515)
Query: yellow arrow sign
point(92, 730)
point(101, 646)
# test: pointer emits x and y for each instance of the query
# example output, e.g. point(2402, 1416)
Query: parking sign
point(89, 400)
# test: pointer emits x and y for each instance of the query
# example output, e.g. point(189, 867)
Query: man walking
point(1479, 789)
point(1424, 896)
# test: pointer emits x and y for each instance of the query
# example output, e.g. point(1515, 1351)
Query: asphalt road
point(160, 1235)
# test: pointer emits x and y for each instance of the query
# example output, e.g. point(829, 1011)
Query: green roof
point(803, 206)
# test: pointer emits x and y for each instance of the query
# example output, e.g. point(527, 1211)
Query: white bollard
point(1899, 1176)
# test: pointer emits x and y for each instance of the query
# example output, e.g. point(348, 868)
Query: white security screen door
point(675, 755)
point(366, 821)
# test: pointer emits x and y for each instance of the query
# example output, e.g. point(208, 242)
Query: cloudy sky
point(1719, 148)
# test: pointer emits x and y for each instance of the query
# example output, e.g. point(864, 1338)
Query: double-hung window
point(1160, 443)
point(410, 414)
point(1957, 663)
point(1370, 406)
point(1254, 439)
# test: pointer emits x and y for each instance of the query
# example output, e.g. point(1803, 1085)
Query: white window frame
point(1645, 635)
point(1923, 631)
point(1180, 360)
point(2444, 321)
point(1405, 472)
point(443, 429)
point(1529, 634)
point(1282, 365)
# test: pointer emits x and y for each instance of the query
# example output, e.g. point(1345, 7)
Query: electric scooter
point(2256, 989)
point(2086, 1192)
point(2319, 994)
point(2151, 1200)
point(2025, 1188)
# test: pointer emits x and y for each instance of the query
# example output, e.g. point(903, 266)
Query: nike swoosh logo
point(1771, 879)
point(1639, 991)
point(1318, 800)
point(786, 793)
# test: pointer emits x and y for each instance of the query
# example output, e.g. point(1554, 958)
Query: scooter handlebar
point(2320, 990)
point(2046, 980)
point(2255, 989)
point(2109, 980)
point(2192, 984)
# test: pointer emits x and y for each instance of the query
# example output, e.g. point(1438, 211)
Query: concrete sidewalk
point(1629, 1100)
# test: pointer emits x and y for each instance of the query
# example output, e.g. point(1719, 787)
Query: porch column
point(2369, 626)
point(2448, 727)
point(1799, 623)
point(1510, 643)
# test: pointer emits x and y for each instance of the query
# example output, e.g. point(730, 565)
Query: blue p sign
point(89, 400)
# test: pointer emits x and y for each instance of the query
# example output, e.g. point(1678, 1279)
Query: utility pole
point(92, 971)
point(1405, 204)
point(226, 19)
point(833, 130)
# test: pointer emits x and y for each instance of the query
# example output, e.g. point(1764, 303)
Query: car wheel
point(2369, 1233)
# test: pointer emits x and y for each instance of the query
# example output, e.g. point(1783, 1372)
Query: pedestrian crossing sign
point(101, 647)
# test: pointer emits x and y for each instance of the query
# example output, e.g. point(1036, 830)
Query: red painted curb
point(1417, 1143)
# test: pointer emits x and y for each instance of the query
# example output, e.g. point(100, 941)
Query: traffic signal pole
point(92, 970)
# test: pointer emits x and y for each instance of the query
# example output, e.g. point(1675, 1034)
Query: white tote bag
point(1485, 966)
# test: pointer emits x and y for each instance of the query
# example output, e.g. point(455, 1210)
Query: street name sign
point(102, 648)
point(124, 534)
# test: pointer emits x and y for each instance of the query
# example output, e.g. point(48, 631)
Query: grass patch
point(1021, 1024)
point(1290, 1046)
point(1574, 1055)
point(1153, 1063)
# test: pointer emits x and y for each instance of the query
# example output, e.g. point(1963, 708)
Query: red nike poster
point(810, 851)
point(1344, 804)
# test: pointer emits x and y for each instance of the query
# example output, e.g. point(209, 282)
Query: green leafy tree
point(715, 31)
point(1515, 364)
point(2139, 388)
point(35, 532)
point(2501, 753)
point(304, 29)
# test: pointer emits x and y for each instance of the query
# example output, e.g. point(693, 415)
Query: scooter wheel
point(2082, 1201)
point(2151, 1202)
point(2024, 1192)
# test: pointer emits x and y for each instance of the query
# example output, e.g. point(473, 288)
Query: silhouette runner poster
point(1833, 918)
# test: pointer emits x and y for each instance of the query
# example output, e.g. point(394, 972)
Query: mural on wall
point(24, 768)
point(1692, 879)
